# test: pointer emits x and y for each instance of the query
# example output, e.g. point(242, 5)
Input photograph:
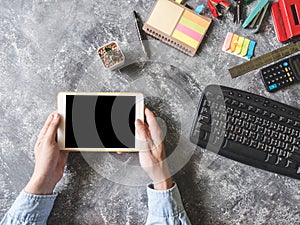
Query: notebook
point(177, 26)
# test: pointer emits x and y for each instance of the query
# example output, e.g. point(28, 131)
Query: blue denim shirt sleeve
point(29, 209)
point(165, 207)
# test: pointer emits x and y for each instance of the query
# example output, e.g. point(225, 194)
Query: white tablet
point(100, 121)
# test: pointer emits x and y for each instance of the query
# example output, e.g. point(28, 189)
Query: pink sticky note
point(227, 42)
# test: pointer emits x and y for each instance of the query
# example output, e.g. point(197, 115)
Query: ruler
point(263, 60)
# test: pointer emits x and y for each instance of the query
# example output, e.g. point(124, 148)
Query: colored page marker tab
point(239, 46)
point(227, 42)
point(245, 47)
point(234, 42)
point(179, 1)
point(251, 49)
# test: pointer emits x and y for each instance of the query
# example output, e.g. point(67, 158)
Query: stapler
point(218, 7)
point(286, 17)
point(254, 20)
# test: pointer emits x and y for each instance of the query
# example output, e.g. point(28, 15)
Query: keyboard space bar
point(230, 148)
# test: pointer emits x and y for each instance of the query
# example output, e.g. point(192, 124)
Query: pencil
point(139, 33)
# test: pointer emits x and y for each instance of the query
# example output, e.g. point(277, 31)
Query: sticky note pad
point(177, 25)
point(239, 46)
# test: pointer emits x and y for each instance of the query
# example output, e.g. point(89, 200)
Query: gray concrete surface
point(50, 46)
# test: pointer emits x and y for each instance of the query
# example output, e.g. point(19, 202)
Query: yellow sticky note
point(239, 46)
point(245, 47)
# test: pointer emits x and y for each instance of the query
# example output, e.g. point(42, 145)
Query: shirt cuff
point(32, 208)
point(164, 203)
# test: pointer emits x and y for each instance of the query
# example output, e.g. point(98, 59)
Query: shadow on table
point(193, 192)
point(67, 204)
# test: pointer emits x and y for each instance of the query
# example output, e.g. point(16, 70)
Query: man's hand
point(152, 155)
point(49, 160)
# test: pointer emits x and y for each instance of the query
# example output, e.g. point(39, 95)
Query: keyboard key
point(271, 159)
point(274, 116)
point(251, 108)
point(259, 111)
point(204, 119)
point(280, 161)
point(282, 119)
point(266, 113)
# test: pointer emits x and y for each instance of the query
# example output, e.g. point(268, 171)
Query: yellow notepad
point(177, 26)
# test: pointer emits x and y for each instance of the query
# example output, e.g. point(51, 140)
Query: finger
point(141, 129)
point(144, 139)
point(52, 129)
point(46, 125)
point(153, 127)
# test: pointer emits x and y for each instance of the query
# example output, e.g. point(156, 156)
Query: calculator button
point(273, 86)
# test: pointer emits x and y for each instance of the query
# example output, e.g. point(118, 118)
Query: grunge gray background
point(50, 46)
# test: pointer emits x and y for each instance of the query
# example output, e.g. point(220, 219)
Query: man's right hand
point(152, 154)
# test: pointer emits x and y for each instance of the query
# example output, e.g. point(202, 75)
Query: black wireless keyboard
point(250, 129)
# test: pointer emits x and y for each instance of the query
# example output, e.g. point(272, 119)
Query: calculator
point(281, 74)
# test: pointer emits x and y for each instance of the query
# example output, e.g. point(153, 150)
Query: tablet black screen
point(100, 121)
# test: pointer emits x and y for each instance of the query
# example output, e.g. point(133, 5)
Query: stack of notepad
point(239, 46)
point(177, 26)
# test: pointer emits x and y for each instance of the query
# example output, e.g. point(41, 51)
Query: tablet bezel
point(61, 108)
